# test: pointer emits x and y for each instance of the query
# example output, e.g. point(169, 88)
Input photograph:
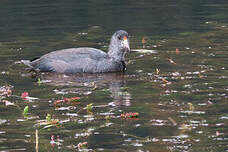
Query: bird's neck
point(116, 53)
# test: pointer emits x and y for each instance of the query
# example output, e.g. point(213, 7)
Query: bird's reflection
point(88, 83)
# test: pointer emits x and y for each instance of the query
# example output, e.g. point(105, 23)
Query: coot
point(85, 59)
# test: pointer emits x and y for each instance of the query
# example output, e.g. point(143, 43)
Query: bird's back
point(71, 60)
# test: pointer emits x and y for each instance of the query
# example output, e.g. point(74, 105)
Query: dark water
point(180, 92)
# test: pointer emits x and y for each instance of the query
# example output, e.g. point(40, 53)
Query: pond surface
point(172, 99)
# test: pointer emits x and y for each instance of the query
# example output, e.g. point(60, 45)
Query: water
point(180, 92)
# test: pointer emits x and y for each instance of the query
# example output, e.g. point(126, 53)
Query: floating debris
point(8, 103)
point(73, 100)
point(25, 96)
point(171, 61)
point(157, 71)
point(172, 120)
point(177, 51)
point(130, 115)
point(144, 51)
point(164, 80)
point(82, 145)
point(26, 109)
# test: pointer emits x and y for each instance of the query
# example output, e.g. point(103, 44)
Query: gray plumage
point(84, 59)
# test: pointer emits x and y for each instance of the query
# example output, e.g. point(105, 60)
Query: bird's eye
point(119, 37)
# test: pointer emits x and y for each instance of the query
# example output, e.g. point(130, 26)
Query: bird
point(85, 59)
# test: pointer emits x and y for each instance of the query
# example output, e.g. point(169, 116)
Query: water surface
point(180, 92)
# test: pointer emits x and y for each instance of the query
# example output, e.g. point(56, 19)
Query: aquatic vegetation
point(173, 96)
point(49, 122)
point(130, 115)
point(24, 95)
point(72, 100)
point(82, 145)
point(89, 108)
point(26, 110)
point(6, 91)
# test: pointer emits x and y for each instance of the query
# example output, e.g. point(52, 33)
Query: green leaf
point(124, 88)
point(39, 81)
point(48, 117)
point(191, 107)
point(26, 109)
point(89, 107)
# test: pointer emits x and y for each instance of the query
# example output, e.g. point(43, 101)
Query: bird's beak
point(126, 43)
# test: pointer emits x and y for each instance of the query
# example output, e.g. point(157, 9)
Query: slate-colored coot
point(84, 59)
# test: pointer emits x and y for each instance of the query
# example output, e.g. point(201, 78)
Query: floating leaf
point(89, 107)
point(164, 80)
point(107, 118)
point(217, 133)
point(157, 71)
point(71, 99)
point(191, 107)
point(130, 115)
point(24, 95)
point(26, 109)
point(39, 81)
point(56, 102)
point(49, 122)
point(124, 88)
point(171, 61)
point(48, 117)
point(177, 51)
point(55, 122)
point(82, 145)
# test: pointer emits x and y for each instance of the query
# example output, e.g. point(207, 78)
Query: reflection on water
point(90, 82)
point(179, 92)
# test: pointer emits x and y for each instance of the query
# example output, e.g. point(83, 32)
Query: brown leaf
point(177, 51)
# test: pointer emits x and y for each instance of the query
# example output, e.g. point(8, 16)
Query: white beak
point(126, 44)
